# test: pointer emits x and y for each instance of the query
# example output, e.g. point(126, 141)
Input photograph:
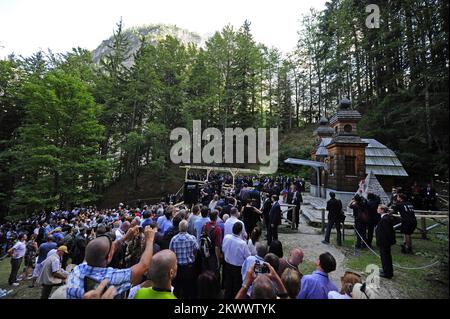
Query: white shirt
point(282, 202)
point(228, 227)
point(251, 247)
point(19, 250)
point(50, 265)
point(337, 295)
point(160, 221)
point(212, 204)
point(50, 253)
point(235, 250)
point(119, 234)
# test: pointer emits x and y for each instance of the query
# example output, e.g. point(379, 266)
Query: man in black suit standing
point(430, 197)
point(385, 235)
point(267, 206)
point(274, 220)
point(296, 199)
point(334, 208)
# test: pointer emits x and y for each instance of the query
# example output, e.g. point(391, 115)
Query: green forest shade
point(70, 127)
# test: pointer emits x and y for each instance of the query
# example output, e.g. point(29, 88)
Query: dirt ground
point(309, 239)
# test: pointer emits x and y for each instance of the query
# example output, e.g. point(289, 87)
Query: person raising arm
point(138, 270)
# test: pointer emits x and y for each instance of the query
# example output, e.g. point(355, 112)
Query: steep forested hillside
point(74, 124)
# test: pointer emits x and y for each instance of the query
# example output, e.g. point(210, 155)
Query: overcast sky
point(27, 26)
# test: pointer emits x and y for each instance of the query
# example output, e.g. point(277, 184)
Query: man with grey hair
point(265, 285)
point(162, 272)
point(261, 251)
point(185, 247)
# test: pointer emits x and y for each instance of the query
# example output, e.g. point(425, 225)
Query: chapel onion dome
point(324, 129)
point(345, 104)
point(323, 121)
point(345, 114)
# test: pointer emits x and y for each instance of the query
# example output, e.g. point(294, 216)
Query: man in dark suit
point(373, 201)
point(274, 220)
point(295, 199)
point(267, 206)
point(334, 208)
point(385, 236)
point(430, 197)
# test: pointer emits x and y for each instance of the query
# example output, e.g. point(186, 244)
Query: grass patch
point(20, 292)
point(307, 267)
point(431, 282)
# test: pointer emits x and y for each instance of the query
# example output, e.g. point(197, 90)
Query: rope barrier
point(395, 265)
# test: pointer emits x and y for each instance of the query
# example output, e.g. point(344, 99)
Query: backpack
point(206, 242)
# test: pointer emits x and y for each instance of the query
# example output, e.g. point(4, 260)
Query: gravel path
point(309, 239)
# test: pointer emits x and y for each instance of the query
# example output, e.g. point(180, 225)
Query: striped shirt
point(119, 278)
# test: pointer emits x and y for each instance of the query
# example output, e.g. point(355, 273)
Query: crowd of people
point(214, 248)
point(421, 197)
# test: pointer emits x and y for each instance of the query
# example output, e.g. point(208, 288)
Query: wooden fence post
point(424, 228)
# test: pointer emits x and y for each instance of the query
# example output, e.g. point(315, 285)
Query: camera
point(261, 268)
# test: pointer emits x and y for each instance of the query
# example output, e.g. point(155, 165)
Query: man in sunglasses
point(99, 252)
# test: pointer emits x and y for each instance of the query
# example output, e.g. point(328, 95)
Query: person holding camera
point(361, 215)
point(99, 253)
point(335, 218)
point(265, 282)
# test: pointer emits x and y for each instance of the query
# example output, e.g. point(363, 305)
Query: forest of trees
point(69, 128)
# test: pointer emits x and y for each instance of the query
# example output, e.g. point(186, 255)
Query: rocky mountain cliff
point(152, 33)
